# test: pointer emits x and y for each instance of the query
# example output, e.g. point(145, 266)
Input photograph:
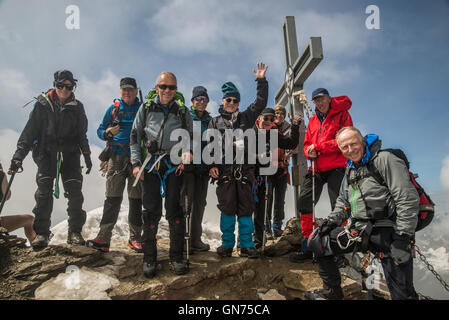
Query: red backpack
point(426, 205)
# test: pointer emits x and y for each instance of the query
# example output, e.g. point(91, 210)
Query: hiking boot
point(223, 251)
point(325, 293)
point(99, 244)
point(251, 252)
point(179, 267)
point(301, 256)
point(200, 246)
point(277, 232)
point(269, 235)
point(40, 242)
point(75, 238)
point(149, 267)
point(135, 245)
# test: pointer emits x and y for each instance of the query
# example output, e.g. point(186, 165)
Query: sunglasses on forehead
point(204, 99)
point(165, 86)
point(229, 100)
point(67, 86)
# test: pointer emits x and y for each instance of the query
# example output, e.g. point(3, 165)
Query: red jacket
point(322, 135)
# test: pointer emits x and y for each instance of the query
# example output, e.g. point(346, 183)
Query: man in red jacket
point(321, 147)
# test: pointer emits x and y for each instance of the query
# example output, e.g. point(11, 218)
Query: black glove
point(326, 227)
point(88, 162)
point(401, 248)
point(15, 166)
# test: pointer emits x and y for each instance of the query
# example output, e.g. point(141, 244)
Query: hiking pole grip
point(12, 173)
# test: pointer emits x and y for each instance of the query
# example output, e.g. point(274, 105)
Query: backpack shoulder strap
point(115, 108)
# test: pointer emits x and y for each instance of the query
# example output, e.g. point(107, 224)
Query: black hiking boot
point(200, 246)
point(179, 267)
point(223, 251)
point(149, 267)
point(99, 244)
point(251, 252)
point(75, 238)
point(325, 293)
point(301, 256)
point(40, 242)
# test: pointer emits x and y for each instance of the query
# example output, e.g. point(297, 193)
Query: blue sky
point(397, 77)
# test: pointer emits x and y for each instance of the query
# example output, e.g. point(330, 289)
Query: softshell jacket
point(148, 123)
point(53, 128)
point(322, 135)
point(394, 205)
point(239, 120)
point(126, 123)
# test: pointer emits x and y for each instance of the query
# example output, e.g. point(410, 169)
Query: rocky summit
point(77, 272)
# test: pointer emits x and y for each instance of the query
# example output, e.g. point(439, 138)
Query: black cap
point(128, 83)
point(63, 75)
point(267, 112)
point(199, 91)
point(319, 93)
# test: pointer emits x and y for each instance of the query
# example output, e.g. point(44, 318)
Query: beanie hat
point(280, 108)
point(199, 91)
point(230, 90)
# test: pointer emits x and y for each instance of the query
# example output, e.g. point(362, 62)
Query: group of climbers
point(139, 150)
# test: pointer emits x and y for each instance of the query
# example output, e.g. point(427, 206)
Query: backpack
point(426, 205)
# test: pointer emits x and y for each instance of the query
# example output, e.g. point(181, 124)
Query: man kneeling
point(383, 215)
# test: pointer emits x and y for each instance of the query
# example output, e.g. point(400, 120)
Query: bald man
point(153, 125)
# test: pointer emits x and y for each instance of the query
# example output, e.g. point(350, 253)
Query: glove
point(88, 162)
point(326, 227)
point(15, 165)
point(401, 248)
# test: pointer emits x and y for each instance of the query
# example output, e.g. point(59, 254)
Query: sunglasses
point(268, 119)
point(229, 100)
point(67, 86)
point(204, 99)
point(165, 86)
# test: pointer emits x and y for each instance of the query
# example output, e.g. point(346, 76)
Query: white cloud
point(444, 174)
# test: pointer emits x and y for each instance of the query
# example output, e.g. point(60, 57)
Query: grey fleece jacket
point(394, 205)
point(147, 128)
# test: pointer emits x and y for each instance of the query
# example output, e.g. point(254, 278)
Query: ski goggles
point(67, 86)
point(165, 86)
point(203, 99)
point(229, 100)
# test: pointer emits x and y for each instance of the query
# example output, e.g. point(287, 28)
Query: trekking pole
point(13, 173)
point(187, 233)
point(264, 236)
point(313, 194)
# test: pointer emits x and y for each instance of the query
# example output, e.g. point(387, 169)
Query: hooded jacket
point(53, 127)
point(394, 205)
point(322, 134)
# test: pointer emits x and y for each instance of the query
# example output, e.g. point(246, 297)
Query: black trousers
point(277, 198)
point(72, 181)
point(195, 185)
point(399, 278)
point(152, 213)
point(333, 179)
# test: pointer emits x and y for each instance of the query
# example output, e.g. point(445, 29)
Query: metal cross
point(298, 69)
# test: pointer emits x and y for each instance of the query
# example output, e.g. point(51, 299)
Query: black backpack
point(426, 205)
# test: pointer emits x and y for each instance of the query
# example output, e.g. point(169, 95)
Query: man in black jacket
point(234, 179)
point(56, 133)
